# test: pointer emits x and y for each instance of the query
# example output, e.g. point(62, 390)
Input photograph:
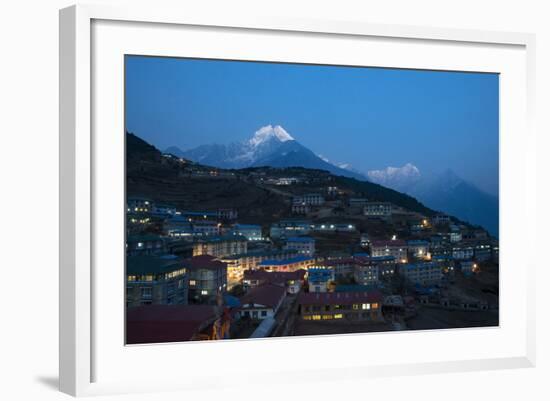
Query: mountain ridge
point(269, 146)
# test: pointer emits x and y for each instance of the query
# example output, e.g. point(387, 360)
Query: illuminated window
point(355, 306)
point(374, 306)
point(366, 306)
point(204, 292)
point(316, 317)
point(338, 316)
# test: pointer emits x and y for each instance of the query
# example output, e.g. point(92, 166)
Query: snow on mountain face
point(269, 132)
point(407, 170)
point(395, 177)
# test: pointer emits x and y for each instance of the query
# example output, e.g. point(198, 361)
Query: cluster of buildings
point(207, 269)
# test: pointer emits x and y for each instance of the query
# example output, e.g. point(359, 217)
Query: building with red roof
point(351, 306)
point(262, 302)
point(292, 281)
point(167, 323)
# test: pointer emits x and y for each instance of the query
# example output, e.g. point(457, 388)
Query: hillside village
point(256, 252)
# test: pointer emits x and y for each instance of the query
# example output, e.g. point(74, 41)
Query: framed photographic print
point(233, 188)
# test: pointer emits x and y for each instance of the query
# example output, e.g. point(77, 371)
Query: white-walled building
point(395, 248)
point(309, 199)
point(262, 302)
point(418, 249)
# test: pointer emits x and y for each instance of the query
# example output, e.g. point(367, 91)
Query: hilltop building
point(378, 209)
point(309, 199)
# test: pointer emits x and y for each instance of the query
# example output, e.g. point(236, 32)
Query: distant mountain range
point(446, 192)
point(270, 146)
point(273, 146)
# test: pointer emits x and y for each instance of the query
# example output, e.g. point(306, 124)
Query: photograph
point(276, 199)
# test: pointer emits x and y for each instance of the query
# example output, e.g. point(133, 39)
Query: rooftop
point(417, 242)
point(143, 238)
point(142, 265)
point(274, 277)
point(203, 262)
point(166, 323)
point(267, 294)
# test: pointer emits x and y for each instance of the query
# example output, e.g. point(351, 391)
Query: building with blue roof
point(291, 264)
point(319, 279)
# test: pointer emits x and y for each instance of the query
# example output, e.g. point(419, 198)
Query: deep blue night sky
point(369, 117)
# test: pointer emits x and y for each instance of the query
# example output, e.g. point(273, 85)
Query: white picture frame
point(82, 345)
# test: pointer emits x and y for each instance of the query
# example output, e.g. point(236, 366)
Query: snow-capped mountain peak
point(409, 170)
point(268, 132)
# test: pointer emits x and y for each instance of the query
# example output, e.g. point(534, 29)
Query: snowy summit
point(268, 132)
